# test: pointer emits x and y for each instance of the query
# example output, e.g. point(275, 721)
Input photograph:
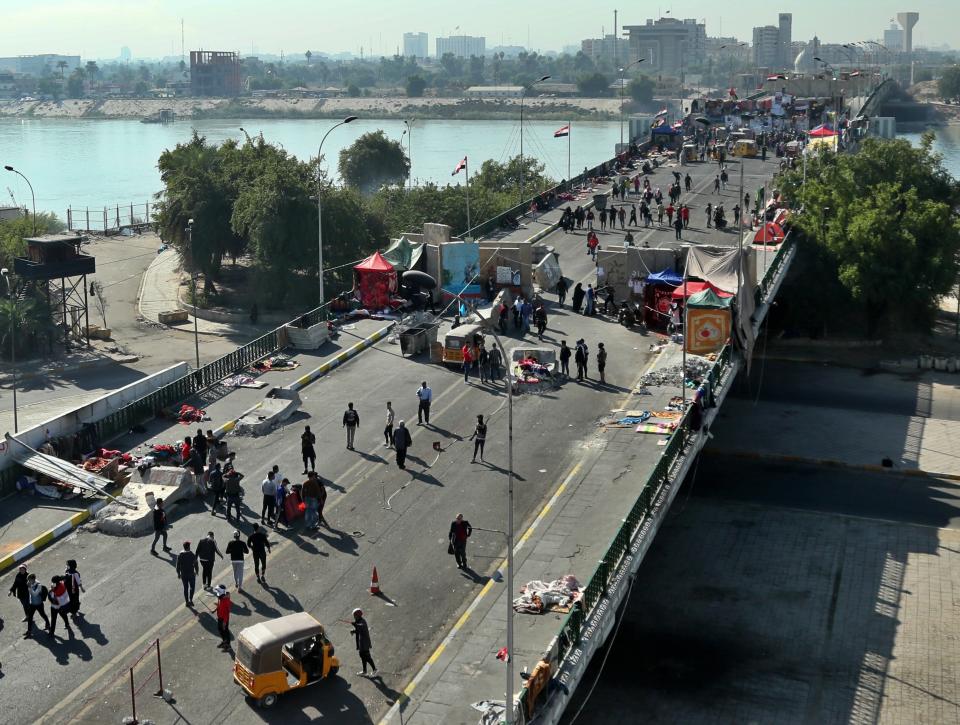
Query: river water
point(99, 163)
point(947, 143)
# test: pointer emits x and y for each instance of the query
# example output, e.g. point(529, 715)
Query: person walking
point(591, 306)
point(590, 219)
point(59, 604)
point(633, 215)
point(582, 348)
point(622, 216)
point(424, 398)
point(74, 584)
point(361, 633)
point(268, 488)
point(207, 551)
point(483, 362)
point(601, 361)
point(200, 444)
point(577, 297)
point(479, 438)
point(540, 318)
point(496, 360)
point(709, 211)
point(716, 184)
point(388, 426)
point(561, 290)
point(460, 530)
point(282, 490)
point(187, 570)
point(259, 545)
point(237, 550)
point(215, 484)
point(565, 359)
point(685, 215)
point(307, 442)
point(678, 226)
point(19, 590)
point(36, 596)
point(311, 497)
point(223, 615)
point(688, 182)
point(603, 220)
point(402, 440)
point(467, 353)
point(351, 421)
point(232, 489)
point(159, 527)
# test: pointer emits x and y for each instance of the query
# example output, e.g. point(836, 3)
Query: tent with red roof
point(375, 280)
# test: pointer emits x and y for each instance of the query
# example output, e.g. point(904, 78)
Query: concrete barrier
point(279, 405)
point(160, 482)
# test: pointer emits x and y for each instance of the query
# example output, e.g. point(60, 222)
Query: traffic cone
point(375, 582)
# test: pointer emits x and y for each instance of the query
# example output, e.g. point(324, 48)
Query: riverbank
point(309, 108)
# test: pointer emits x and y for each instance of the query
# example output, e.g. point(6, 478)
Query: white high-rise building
point(462, 46)
point(415, 45)
point(893, 38)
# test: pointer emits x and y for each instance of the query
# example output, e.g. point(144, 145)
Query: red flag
point(661, 112)
point(460, 167)
point(565, 131)
point(502, 654)
point(733, 93)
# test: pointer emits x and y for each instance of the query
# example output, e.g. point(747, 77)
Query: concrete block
point(173, 317)
point(166, 482)
point(307, 338)
point(279, 405)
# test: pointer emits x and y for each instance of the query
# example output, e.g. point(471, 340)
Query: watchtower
point(56, 267)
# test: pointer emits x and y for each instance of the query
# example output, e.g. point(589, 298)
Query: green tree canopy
point(415, 86)
point(949, 84)
point(886, 219)
point(594, 85)
point(505, 177)
point(372, 161)
point(641, 89)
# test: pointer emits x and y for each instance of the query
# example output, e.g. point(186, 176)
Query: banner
point(460, 265)
point(709, 330)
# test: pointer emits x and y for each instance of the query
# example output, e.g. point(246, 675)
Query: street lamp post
point(622, 71)
point(409, 132)
point(13, 348)
point(33, 197)
point(348, 119)
point(523, 95)
point(193, 288)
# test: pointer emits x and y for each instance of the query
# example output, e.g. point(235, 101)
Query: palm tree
point(309, 55)
point(61, 64)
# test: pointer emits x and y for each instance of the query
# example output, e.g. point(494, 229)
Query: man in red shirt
point(460, 530)
point(468, 358)
point(223, 614)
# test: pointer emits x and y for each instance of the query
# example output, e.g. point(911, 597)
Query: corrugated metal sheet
point(57, 469)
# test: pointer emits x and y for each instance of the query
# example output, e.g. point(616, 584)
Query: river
point(947, 143)
point(99, 163)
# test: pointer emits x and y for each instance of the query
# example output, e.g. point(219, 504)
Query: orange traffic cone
point(375, 582)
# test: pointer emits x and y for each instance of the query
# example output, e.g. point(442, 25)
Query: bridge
point(591, 493)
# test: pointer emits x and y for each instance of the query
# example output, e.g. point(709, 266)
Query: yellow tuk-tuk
point(689, 153)
point(454, 340)
point(745, 148)
point(282, 654)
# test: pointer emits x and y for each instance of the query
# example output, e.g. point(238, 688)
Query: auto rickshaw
point(454, 340)
point(282, 654)
point(745, 148)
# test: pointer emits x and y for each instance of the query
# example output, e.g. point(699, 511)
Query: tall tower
point(907, 21)
point(784, 39)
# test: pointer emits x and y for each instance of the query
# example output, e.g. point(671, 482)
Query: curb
point(68, 525)
point(49, 536)
point(831, 463)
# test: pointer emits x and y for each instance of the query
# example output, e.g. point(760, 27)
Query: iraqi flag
point(661, 112)
point(460, 167)
point(733, 93)
point(561, 132)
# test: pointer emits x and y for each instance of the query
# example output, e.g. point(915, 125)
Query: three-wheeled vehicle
point(689, 153)
point(282, 654)
point(454, 340)
point(745, 148)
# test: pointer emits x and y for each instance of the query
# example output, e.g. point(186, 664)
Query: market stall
point(375, 280)
point(708, 321)
point(769, 233)
point(658, 296)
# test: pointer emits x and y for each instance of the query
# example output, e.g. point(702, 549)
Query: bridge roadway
point(379, 516)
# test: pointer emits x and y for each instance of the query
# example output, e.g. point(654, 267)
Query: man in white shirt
point(425, 395)
point(388, 428)
point(269, 490)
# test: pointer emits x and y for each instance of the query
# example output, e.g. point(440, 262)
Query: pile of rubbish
point(697, 369)
point(557, 596)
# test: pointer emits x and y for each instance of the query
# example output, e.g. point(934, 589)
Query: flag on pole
point(460, 167)
point(564, 131)
point(733, 93)
point(661, 112)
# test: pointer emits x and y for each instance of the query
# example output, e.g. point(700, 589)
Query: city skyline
point(48, 26)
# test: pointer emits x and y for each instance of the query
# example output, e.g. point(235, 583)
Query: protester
point(479, 438)
point(59, 604)
point(307, 442)
point(18, 589)
point(159, 527)
point(351, 421)
point(561, 290)
point(402, 440)
point(187, 570)
point(259, 545)
point(36, 596)
point(601, 361)
point(311, 498)
point(237, 550)
point(467, 353)
point(496, 360)
point(578, 294)
point(361, 633)
point(388, 426)
point(233, 490)
point(460, 531)
point(207, 551)
point(74, 587)
point(223, 615)
point(564, 359)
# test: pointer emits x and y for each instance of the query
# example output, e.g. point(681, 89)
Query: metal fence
point(109, 219)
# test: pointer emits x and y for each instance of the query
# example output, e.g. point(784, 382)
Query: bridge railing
point(596, 588)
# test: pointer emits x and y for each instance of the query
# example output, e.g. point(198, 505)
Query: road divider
point(829, 463)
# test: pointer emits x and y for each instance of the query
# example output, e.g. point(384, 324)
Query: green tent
point(403, 254)
point(708, 299)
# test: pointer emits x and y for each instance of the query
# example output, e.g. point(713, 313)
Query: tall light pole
point(13, 348)
point(348, 119)
point(193, 287)
point(409, 132)
point(622, 71)
point(523, 95)
point(33, 197)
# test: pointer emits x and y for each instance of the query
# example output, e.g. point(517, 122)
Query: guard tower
point(56, 267)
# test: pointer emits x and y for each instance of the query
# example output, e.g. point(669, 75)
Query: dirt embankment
point(927, 92)
point(559, 108)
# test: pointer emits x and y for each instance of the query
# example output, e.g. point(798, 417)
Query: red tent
point(821, 131)
point(374, 281)
point(694, 287)
point(769, 233)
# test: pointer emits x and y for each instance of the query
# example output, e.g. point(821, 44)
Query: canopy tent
point(403, 254)
point(709, 300)
point(694, 287)
point(821, 131)
point(667, 276)
point(666, 130)
point(374, 281)
point(769, 233)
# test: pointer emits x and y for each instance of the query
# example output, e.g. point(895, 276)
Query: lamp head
point(8, 168)
point(4, 272)
point(544, 78)
point(348, 119)
point(190, 222)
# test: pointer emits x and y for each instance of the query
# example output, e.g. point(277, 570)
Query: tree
point(641, 89)
point(141, 88)
point(308, 55)
point(949, 84)
point(75, 84)
point(594, 85)
point(353, 90)
point(886, 217)
point(505, 178)
point(452, 65)
point(415, 86)
point(93, 70)
point(61, 65)
point(373, 160)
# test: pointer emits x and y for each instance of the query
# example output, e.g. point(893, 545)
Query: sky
point(151, 28)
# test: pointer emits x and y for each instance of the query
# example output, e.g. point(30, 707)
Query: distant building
point(893, 37)
point(8, 213)
point(125, 55)
point(766, 46)
point(8, 86)
point(804, 62)
point(570, 49)
point(415, 45)
point(907, 21)
point(40, 65)
point(784, 37)
point(462, 46)
point(669, 45)
point(214, 73)
point(605, 49)
point(727, 48)
point(494, 92)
